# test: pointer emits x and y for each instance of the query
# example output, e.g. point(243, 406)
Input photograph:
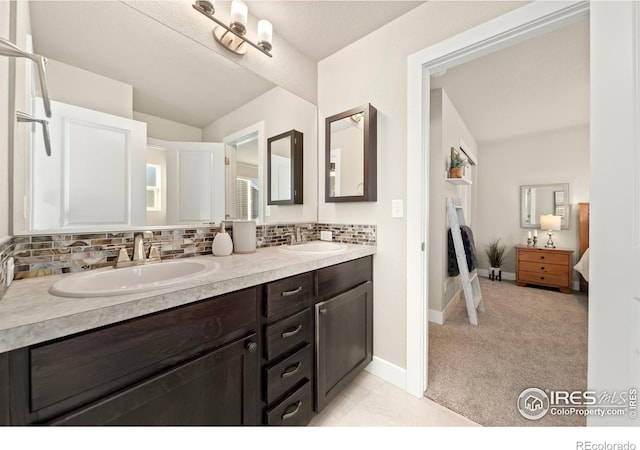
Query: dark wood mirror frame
point(297, 146)
point(370, 155)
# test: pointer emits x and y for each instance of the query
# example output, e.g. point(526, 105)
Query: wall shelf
point(458, 180)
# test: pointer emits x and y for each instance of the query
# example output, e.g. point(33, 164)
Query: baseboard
point(436, 316)
point(510, 276)
point(452, 304)
point(388, 372)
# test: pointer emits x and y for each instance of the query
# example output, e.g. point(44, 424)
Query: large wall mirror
point(543, 199)
point(350, 155)
point(183, 169)
point(284, 172)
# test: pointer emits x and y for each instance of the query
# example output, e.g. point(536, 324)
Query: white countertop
point(30, 315)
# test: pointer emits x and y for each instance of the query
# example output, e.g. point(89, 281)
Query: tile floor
point(372, 402)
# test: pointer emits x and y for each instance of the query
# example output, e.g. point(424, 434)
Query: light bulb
point(239, 12)
point(265, 34)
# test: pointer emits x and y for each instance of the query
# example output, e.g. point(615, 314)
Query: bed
point(583, 246)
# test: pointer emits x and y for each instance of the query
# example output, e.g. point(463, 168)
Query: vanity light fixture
point(232, 37)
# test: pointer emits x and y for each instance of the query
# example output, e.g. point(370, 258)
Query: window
point(247, 198)
point(154, 188)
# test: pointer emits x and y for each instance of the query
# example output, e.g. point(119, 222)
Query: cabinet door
point(219, 388)
point(344, 340)
point(4, 389)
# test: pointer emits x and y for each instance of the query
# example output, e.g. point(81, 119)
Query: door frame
point(514, 27)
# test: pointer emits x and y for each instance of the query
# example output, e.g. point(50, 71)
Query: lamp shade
point(239, 12)
point(265, 31)
point(550, 222)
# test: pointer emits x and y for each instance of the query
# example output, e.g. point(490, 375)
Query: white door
point(614, 285)
point(195, 183)
point(95, 176)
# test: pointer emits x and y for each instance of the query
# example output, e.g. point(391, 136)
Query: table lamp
point(551, 223)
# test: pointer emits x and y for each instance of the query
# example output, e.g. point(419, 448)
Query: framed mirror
point(350, 155)
point(541, 199)
point(284, 168)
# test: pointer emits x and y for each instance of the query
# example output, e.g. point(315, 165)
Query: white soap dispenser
point(222, 245)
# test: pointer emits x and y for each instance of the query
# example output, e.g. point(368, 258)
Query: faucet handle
point(154, 253)
point(123, 256)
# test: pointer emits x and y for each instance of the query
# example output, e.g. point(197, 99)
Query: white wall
point(374, 70)
point(79, 87)
point(4, 125)
point(281, 111)
point(447, 129)
point(168, 130)
point(559, 156)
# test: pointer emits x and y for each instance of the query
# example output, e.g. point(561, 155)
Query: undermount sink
point(315, 248)
point(128, 280)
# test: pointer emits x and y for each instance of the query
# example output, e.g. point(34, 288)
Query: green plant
point(495, 253)
point(457, 160)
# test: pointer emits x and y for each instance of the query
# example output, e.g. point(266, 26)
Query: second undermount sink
point(314, 248)
point(129, 280)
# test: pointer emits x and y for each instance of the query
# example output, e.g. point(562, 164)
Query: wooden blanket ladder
point(470, 282)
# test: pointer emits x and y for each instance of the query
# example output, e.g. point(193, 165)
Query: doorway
point(524, 23)
point(244, 174)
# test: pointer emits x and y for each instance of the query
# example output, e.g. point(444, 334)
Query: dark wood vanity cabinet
point(343, 326)
point(288, 364)
point(4, 389)
point(192, 365)
point(272, 354)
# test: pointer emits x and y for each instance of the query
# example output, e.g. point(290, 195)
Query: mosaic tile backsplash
point(42, 255)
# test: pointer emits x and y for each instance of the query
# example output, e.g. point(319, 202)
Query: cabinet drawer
point(293, 410)
point(543, 267)
point(110, 358)
point(545, 279)
point(287, 334)
point(289, 295)
point(287, 373)
point(543, 256)
point(342, 277)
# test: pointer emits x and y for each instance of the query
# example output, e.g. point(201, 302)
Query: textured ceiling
point(541, 84)
point(320, 28)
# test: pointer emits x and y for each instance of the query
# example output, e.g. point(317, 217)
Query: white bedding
point(583, 265)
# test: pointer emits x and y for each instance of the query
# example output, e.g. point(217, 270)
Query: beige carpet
point(527, 337)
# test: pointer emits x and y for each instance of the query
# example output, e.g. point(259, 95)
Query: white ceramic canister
point(222, 245)
point(244, 236)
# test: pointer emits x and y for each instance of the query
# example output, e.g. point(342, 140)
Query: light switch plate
point(267, 211)
point(326, 236)
point(397, 209)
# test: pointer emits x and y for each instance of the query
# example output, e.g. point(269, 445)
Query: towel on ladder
point(469, 250)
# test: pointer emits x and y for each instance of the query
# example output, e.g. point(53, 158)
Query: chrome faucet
point(297, 237)
point(138, 245)
point(139, 256)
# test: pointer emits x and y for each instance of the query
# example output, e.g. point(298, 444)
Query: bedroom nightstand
point(544, 267)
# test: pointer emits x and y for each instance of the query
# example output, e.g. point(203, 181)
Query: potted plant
point(458, 163)
point(495, 254)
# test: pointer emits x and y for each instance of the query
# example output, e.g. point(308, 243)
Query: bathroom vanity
point(247, 346)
